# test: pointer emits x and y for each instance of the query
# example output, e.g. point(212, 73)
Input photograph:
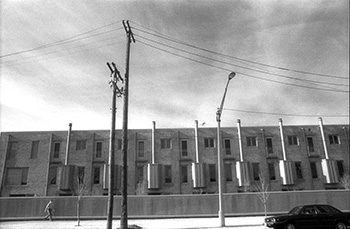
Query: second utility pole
point(124, 208)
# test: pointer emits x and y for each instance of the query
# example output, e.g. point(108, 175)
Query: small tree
point(263, 193)
point(79, 192)
point(345, 181)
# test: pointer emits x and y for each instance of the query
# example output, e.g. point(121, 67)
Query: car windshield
point(295, 211)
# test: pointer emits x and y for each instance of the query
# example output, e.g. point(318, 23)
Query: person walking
point(49, 210)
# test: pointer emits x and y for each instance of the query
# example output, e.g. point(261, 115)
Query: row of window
point(19, 175)
point(167, 144)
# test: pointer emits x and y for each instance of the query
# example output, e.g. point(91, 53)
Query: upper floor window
point(141, 148)
point(333, 139)
point(12, 150)
point(227, 145)
point(208, 142)
point(184, 151)
point(293, 140)
point(35, 150)
point(251, 141)
point(16, 176)
point(310, 144)
point(98, 150)
point(165, 143)
point(269, 146)
point(81, 145)
point(56, 149)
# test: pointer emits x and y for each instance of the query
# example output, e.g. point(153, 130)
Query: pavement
point(255, 222)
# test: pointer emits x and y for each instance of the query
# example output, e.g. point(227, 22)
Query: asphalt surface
point(255, 222)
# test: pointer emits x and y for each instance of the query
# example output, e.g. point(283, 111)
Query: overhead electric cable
point(66, 40)
point(264, 72)
point(10, 62)
point(241, 59)
point(230, 70)
point(281, 114)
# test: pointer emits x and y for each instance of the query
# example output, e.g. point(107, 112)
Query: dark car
point(310, 216)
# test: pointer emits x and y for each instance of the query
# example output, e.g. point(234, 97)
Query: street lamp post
point(218, 119)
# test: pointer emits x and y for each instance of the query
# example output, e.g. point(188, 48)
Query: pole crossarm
point(128, 30)
point(115, 78)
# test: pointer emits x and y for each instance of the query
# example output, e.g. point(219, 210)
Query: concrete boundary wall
point(14, 208)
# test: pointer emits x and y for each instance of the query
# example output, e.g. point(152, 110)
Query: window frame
point(165, 143)
point(209, 142)
point(251, 141)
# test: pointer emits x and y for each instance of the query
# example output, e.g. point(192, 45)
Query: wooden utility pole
point(124, 209)
point(116, 91)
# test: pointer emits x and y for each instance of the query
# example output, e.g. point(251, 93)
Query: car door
point(324, 216)
point(306, 218)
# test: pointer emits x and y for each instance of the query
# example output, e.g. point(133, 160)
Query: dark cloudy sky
point(291, 58)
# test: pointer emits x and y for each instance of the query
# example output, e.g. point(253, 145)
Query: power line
point(32, 58)
point(281, 114)
point(264, 72)
point(230, 70)
point(241, 59)
point(66, 40)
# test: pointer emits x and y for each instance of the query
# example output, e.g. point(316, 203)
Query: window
point(184, 151)
point(81, 174)
point(251, 141)
point(168, 175)
point(165, 143)
point(208, 142)
point(212, 172)
point(228, 172)
point(227, 145)
point(310, 144)
point(313, 170)
point(272, 173)
point(17, 176)
point(81, 145)
point(334, 139)
point(141, 148)
point(139, 173)
point(340, 168)
point(35, 150)
point(292, 140)
point(97, 174)
point(256, 171)
point(53, 175)
point(269, 146)
point(298, 170)
point(184, 176)
point(12, 150)
point(98, 150)
point(56, 149)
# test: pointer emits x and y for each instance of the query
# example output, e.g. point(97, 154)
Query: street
point(230, 222)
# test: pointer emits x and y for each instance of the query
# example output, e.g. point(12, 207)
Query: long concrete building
point(175, 161)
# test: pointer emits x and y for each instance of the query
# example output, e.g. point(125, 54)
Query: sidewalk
point(255, 222)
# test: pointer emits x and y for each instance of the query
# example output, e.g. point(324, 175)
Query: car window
point(309, 210)
point(326, 209)
point(295, 211)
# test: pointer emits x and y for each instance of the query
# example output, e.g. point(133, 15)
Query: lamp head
point(232, 74)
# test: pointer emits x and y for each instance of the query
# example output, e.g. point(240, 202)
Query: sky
point(291, 60)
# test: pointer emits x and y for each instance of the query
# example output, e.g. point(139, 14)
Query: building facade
point(175, 161)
